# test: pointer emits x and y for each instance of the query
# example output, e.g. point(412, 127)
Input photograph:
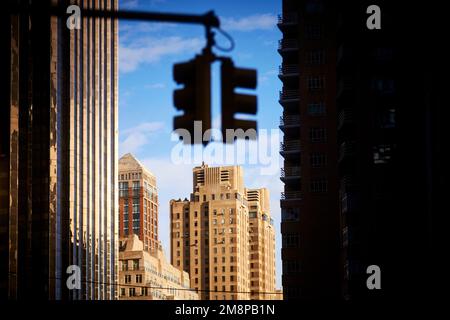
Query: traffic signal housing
point(232, 102)
point(194, 98)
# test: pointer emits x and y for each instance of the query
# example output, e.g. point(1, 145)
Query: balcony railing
point(289, 95)
point(288, 18)
point(343, 54)
point(346, 149)
point(344, 85)
point(345, 116)
point(290, 120)
point(287, 44)
point(289, 172)
point(291, 195)
point(288, 69)
point(292, 145)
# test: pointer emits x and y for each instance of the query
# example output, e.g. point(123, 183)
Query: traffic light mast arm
point(208, 19)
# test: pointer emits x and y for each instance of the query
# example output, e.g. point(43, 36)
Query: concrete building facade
point(212, 236)
point(148, 275)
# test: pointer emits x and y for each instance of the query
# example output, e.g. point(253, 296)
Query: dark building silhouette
point(390, 111)
point(384, 120)
point(58, 154)
point(309, 204)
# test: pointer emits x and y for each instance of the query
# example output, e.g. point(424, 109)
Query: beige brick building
point(228, 252)
point(261, 245)
point(148, 275)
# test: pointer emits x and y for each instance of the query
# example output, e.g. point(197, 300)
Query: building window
point(383, 54)
point(122, 292)
point(318, 160)
point(316, 109)
point(136, 187)
point(132, 292)
point(291, 267)
point(125, 265)
point(136, 207)
point(315, 57)
point(290, 240)
point(382, 153)
point(383, 86)
point(127, 278)
point(319, 185)
point(313, 32)
point(135, 264)
point(318, 134)
point(314, 6)
point(123, 189)
point(139, 278)
point(386, 119)
point(315, 83)
point(290, 214)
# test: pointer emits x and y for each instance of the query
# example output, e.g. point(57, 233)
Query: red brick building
point(138, 202)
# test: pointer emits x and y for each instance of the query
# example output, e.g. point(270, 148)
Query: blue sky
point(147, 52)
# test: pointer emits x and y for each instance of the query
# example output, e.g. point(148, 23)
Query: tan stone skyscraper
point(211, 235)
point(138, 202)
point(58, 154)
point(262, 245)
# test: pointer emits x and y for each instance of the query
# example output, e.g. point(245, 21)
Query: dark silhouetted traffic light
point(195, 96)
point(232, 102)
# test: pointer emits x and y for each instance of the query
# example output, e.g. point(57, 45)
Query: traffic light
point(232, 102)
point(195, 96)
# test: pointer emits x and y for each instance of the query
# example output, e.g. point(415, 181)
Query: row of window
point(130, 176)
point(134, 264)
point(290, 240)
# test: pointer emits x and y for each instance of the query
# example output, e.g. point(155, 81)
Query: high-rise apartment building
point(58, 154)
point(309, 203)
point(224, 236)
point(389, 138)
point(262, 245)
point(138, 202)
point(377, 148)
point(147, 275)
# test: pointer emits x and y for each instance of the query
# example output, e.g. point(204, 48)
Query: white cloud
point(129, 4)
point(266, 76)
point(136, 137)
point(158, 85)
point(264, 21)
point(151, 50)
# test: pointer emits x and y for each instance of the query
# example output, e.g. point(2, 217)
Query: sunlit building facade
point(58, 155)
point(138, 202)
point(228, 254)
point(148, 275)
